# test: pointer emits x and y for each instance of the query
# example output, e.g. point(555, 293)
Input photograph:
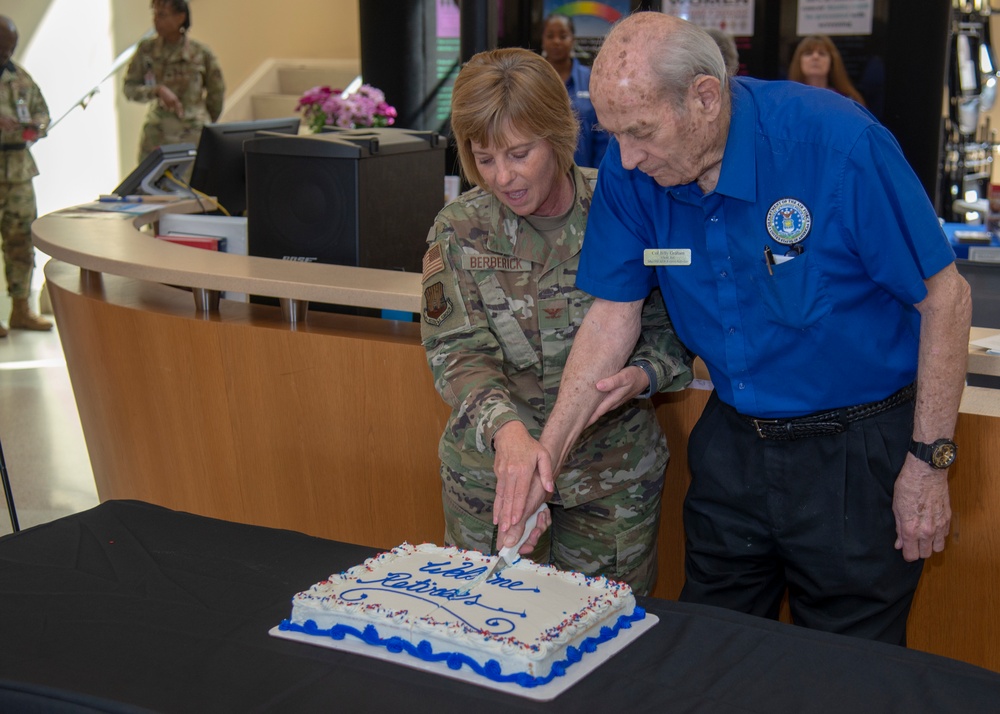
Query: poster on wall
point(734, 17)
point(835, 17)
point(446, 54)
point(591, 21)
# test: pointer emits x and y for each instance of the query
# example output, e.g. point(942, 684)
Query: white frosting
point(524, 617)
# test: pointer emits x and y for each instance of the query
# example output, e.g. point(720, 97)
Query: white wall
point(80, 157)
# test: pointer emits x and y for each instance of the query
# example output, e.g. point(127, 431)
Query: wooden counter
point(104, 242)
point(237, 416)
point(236, 413)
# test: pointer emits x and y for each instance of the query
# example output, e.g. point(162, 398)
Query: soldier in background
point(558, 42)
point(500, 313)
point(23, 119)
point(179, 77)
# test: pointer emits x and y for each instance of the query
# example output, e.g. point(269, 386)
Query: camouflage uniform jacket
point(189, 70)
point(17, 86)
point(500, 311)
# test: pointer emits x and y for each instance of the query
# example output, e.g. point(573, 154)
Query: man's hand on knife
point(521, 463)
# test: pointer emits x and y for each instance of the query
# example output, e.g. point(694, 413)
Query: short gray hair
point(680, 56)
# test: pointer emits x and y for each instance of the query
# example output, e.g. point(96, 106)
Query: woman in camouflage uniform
point(500, 311)
point(179, 77)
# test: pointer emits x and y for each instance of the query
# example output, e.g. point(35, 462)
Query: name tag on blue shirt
point(666, 256)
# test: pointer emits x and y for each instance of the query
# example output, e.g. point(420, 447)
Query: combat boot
point(22, 318)
point(3, 330)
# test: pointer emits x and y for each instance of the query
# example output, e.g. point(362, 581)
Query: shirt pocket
point(517, 348)
point(795, 295)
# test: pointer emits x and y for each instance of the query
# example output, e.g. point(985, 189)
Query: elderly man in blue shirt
point(801, 259)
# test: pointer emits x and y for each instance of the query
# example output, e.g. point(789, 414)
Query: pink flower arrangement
point(322, 106)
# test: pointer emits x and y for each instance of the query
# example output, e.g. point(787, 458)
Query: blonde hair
point(501, 92)
point(838, 79)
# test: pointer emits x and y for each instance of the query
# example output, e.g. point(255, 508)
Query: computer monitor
point(220, 167)
point(984, 281)
point(150, 176)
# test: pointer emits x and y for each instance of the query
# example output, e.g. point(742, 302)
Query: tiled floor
point(40, 433)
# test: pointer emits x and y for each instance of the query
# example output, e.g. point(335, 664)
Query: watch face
point(943, 455)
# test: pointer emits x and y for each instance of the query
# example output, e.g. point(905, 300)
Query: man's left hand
point(619, 388)
point(921, 506)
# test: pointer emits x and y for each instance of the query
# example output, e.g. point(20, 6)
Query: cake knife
point(507, 556)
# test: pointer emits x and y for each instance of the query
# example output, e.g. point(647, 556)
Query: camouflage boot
point(22, 318)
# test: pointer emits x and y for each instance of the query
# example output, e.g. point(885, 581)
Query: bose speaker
point(361, 197)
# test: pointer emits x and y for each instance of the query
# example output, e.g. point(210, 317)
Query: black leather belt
point(823, 423)
point(13, 147)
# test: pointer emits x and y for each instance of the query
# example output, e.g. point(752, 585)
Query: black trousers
point(811, 515)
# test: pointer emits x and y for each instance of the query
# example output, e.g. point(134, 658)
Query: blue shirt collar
point(738, 176)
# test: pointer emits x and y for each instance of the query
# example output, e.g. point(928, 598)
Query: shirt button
point(741, 385)
point(732, 330)
point(723, 274)
point(714, 219)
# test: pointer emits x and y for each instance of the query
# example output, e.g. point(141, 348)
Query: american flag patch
point(433, 262)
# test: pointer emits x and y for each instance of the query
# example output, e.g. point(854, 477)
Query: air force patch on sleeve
point(437, 305)
point(788, 221)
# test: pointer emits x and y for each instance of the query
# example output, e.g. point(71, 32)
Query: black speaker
point(361, 197)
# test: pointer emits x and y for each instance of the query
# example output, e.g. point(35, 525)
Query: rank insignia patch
point(437, 306)
point(553, 312)
point(788, 221)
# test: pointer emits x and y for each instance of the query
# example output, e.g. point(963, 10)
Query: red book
point(204, 242)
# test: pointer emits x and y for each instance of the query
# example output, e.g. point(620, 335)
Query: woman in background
point(179, 78)
point(499, 314)
point(817, 62)
point(558, 37)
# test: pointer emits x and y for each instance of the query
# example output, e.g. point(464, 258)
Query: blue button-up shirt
point(832, 326)
point(592, 142)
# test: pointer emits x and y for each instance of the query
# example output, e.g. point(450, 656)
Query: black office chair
point(8, 494)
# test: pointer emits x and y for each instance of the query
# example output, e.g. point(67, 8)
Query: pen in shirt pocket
point(769, 259)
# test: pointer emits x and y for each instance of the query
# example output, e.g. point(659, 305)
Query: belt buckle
point(766, 422)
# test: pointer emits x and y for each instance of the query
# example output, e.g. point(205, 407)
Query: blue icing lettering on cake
point(526, 625)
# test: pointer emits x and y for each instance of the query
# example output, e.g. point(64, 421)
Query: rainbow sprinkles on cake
point(525, 625)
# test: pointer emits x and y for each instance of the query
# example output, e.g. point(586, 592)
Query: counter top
point(110, 242)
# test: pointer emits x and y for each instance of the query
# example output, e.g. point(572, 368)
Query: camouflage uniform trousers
point(614, 536)
point(17, 212)
point(167, 130)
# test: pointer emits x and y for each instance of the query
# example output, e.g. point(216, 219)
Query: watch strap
point(940, 454)
point(651, 374)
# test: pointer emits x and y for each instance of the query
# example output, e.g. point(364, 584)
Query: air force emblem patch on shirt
point(788, 221)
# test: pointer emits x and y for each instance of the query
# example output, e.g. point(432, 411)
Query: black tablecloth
point(131, 607)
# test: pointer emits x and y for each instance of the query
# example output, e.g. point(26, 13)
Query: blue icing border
point(491, 670)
